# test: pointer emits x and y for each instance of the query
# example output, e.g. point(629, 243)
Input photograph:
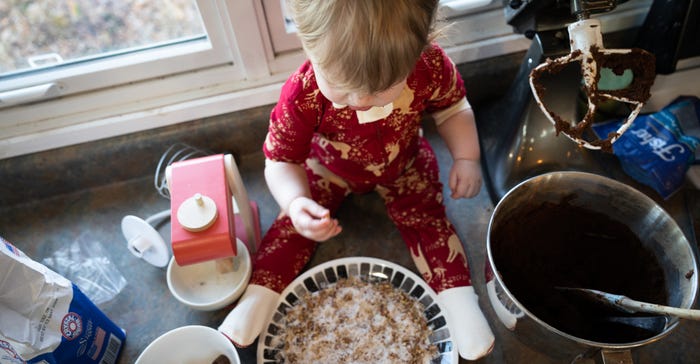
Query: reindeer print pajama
point(341, 155)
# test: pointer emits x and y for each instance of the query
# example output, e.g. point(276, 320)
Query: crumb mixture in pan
point(354, 321)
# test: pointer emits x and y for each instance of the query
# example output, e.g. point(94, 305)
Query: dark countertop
point(146, 309)
point(43, 210)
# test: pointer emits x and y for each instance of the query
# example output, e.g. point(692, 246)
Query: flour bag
point(44, 318)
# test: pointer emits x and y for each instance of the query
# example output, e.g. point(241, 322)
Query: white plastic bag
point(85, 263)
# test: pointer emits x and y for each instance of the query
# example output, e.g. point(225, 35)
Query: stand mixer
point(518, 140)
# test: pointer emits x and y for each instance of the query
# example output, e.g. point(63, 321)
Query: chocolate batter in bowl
point(576, 229)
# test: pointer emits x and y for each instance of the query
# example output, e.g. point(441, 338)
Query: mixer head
point(618, 75)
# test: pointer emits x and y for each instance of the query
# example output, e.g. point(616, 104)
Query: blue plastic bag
point(658, 148)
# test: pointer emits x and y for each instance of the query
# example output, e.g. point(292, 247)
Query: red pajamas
point(342, 156)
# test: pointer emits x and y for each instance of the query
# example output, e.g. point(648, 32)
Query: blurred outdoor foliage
point(73, 29)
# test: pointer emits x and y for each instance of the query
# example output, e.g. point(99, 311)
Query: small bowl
point(202, 286)
point(189, 344)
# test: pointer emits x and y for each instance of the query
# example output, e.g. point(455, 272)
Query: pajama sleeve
point(450, 94)
point(292, 121)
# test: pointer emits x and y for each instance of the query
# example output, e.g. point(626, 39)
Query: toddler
point(348, 121)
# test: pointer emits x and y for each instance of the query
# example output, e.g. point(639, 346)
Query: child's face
point(354, 100)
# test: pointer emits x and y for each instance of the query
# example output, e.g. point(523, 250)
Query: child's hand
point(465, 178)
point(312, 220)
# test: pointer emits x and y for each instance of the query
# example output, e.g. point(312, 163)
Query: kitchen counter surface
point(51, 199)
point(146, 309)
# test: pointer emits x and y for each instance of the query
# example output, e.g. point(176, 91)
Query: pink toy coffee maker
point(214, 230)
point(210, 209)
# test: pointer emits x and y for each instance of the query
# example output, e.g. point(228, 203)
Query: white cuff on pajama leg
point(245, 322)
point(472, 334)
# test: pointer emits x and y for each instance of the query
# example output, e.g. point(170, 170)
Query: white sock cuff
point(245, 322)
point(471, 332)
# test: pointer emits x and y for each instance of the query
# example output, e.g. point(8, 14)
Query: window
point(48, 40)
point(64, 87)
point(224, 55)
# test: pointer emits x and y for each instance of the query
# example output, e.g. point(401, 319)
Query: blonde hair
point(364, 45)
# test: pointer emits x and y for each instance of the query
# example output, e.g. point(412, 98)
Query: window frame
point(132, 92)
point(135, 65)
